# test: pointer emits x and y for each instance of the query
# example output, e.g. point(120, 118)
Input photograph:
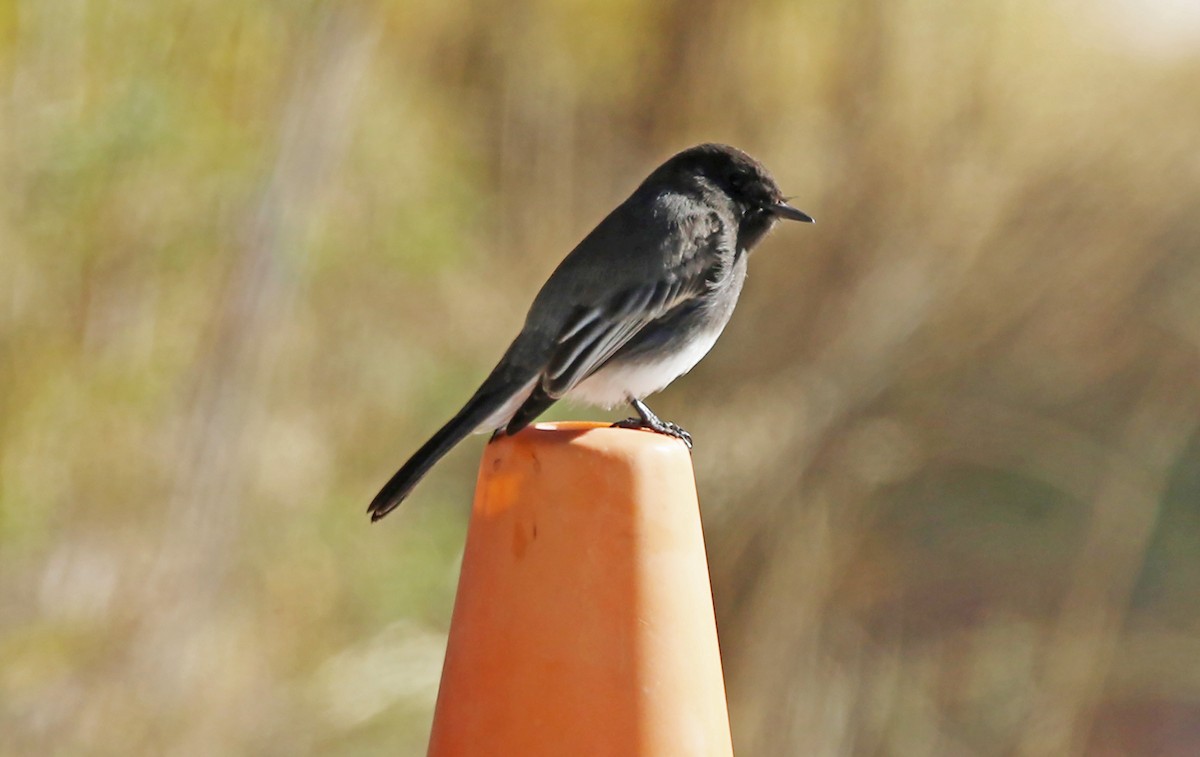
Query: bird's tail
point(489, 403)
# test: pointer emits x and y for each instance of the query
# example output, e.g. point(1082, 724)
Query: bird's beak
point(783, 210)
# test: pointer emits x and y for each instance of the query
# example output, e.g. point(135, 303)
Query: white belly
point(614, 384)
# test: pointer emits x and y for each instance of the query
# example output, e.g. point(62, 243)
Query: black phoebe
point(632, 308)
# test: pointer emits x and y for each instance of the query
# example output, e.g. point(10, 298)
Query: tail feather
point(482, 407)
point(531, 407)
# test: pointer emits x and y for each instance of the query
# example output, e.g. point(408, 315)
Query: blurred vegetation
point(948, 450)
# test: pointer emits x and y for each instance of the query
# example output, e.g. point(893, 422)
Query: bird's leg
point(648, 420)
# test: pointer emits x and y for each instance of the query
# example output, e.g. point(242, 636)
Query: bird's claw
point(661, 427)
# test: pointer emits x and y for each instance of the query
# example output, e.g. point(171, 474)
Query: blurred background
point(948, 451)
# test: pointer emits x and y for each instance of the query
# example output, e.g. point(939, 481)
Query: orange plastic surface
point(584, 621)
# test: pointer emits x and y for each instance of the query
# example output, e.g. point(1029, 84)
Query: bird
point(632, 307)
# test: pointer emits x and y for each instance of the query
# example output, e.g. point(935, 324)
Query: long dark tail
point(494, 393)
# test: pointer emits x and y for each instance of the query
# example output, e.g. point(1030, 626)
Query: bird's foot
point(658, 426)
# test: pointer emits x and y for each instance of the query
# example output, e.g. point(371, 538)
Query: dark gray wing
point(593, 335)
point(594, 332)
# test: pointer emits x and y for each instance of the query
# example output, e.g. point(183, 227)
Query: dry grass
point(949, 449)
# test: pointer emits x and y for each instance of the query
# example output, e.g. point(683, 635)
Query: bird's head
point(747, 184)
point(727, 174)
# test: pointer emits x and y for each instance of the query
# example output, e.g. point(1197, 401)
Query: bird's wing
point(595, 331)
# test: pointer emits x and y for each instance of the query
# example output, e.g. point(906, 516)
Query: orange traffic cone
point(584, 621)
